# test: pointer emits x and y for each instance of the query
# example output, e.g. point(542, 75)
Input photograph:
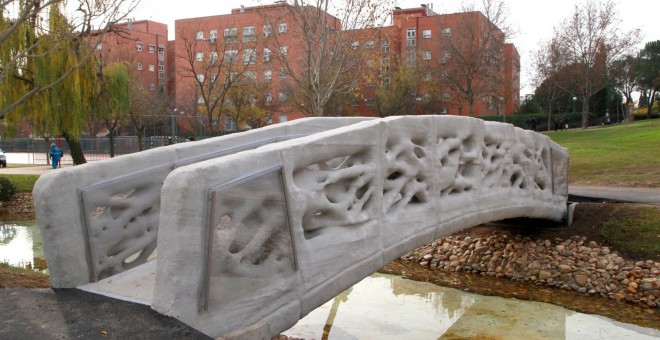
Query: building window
point(200, 99)
point(250, 76)
point(139, 46)
point(213, 34)
point(427, 55)
point(267, 30)
point(370, 44)
point(282, 27)
point(140, 85)
point(445, 57)
point(268, 75)
point(161, 68)
point(446, 32)
point(283, 118)
point(355, 45)
point(426, 98)
point(200, 78)
point(139, 66)
point(426, 34)
point(446, 97)
point(161, 53)
point(282, 74)
point(410, 57)
point(152, 68)
point(282, 96)
point(427, 76)
point(249, 56)
point(129, 24)
point(99, 46)
point(266, 57)
point(369, 101)
point(283, 50)
point(230, 124)
point(199, 35)
point(152, 87)
point(214, 57)
point(213, 78)
point(152, 48)
point(385, 46)
point(355, 102)
point(231, 35)
point(269, 98)
point(199, 56)
point(411, 37)
point(161, 75)
point(249, 33)
point(230, 56)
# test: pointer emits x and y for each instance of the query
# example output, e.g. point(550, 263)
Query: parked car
point(3, 159)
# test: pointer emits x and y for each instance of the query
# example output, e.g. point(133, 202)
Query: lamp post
point(574, 100)
point(173, 122)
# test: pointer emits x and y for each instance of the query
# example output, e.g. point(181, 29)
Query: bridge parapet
point(269, 234)
point(102, 218)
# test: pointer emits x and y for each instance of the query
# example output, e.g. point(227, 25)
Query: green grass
point(636, 229)
point(23, 183)
point(622, 155)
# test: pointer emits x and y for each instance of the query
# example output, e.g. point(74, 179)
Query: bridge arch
point(265, 236)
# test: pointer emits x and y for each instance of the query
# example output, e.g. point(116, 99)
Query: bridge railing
point(102, 218)
point(269, 234)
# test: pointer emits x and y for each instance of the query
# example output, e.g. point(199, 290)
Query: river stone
point(544, 275)
point(563, 268)
point(581, 280)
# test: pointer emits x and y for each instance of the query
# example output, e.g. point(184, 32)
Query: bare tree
point(215, 65)
point(325, 48)
point(589, 41)
point(547, 75)
point(27, 37)
point(473, 52)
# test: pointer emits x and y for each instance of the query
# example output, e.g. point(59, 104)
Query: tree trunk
point(549, 116)
point(471, 108)
point(140, 137)
point(585, 112)
point(112, 143)
point(76, 150)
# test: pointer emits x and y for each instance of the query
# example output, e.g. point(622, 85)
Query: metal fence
point(94, 148)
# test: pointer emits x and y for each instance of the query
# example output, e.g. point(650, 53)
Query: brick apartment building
point(143, 44)
point(250, 42)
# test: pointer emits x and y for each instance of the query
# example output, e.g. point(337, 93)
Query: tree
point(113, 98)
point(624, 77)
point(548, 76)
point(214, 66)
point(400, 98)
point(249, 103)
point(146, 109)
point(589, 41)
point(474, 52)
point(28, 38)
point(328, 46)
point(648, 69)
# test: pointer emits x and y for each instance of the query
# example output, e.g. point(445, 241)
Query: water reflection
point(20, 245)
point(389, 307)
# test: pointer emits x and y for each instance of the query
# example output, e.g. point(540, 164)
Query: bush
point(7, 189)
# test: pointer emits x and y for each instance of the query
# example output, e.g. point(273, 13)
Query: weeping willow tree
point(48, 66)
point(114, 98)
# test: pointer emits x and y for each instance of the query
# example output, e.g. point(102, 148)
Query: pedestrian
point(565, 123)
point(169, 141)
point(55, 155)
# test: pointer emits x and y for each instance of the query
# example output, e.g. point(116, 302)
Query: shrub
point(7, 189)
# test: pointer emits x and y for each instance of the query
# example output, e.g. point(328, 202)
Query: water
point(385, 306)
point(20, 245)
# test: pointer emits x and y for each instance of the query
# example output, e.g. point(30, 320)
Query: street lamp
point(173, 122)
point(574, 100)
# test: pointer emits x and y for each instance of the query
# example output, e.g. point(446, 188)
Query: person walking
point(55, 155)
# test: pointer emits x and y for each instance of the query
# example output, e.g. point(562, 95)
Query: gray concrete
point(268, 235)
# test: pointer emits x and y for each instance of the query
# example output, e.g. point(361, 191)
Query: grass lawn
point(621, 155)
point(23, 183)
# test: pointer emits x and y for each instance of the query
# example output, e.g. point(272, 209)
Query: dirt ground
point(588, 222)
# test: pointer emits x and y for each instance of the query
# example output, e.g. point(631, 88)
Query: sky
point(533, 20)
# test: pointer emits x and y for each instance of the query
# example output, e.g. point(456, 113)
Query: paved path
point(622, 194)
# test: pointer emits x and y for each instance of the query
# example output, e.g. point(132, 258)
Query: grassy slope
point(23, 183)
point(614, 156)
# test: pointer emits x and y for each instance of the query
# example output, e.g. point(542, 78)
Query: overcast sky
point(533, 20)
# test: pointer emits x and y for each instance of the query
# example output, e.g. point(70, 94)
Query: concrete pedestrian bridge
point(254, 230)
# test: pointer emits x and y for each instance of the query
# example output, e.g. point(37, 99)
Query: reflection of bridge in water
point(259, 228)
